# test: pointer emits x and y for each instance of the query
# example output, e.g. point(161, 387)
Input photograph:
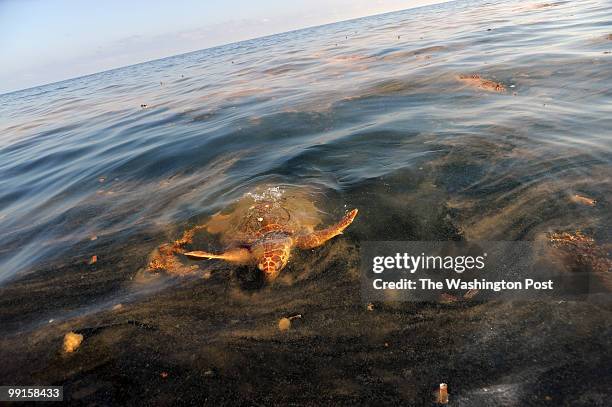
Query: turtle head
point(272, 255)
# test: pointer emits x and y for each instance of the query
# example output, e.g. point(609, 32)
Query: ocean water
point(382, 114)
point(370, 102)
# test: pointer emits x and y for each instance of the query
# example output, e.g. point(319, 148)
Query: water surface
point(367, 113)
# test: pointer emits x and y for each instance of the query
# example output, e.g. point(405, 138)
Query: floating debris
point(72, 341)
point(164, 375)
point(532, 7)
point(471, 293)
point(482, 83)
point(564, 238)
point(94, 237)
point(583, 200)
point(144, 105)
point(93, 260)
point(446, 298)
point(443, 394)
point(285, 323)
point(370, 307)
point(580, 252)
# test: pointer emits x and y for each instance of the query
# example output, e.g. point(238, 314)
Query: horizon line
point(222, 45)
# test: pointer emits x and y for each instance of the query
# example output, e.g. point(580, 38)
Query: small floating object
point(72, 341)
point(583, 200)
point(101, 179)
point(446, 298)
point(370, 307)
point(94, 259)
point(94, 237)
point(144, 105)
point(471, 293)
point(477, 81)
point(443, 394)
point(285, 323)
point(164, 375)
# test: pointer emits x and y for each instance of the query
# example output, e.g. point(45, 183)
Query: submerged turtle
point(262, 229)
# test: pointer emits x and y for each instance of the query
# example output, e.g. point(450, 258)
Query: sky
point(45, 41)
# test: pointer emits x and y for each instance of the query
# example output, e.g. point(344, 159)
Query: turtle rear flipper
point(319, 237)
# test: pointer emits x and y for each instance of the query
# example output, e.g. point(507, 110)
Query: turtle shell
point(272, 209)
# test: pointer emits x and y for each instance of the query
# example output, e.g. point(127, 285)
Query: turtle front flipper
point(238, 255)
point(319, 237)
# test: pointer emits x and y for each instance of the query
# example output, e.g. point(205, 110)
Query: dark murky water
point(369, 113)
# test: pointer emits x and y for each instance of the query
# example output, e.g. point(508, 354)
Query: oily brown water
point(467, 120)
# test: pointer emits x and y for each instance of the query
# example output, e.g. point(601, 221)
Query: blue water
point(370, 112)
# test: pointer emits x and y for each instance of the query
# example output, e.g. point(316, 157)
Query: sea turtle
point(260, 229)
